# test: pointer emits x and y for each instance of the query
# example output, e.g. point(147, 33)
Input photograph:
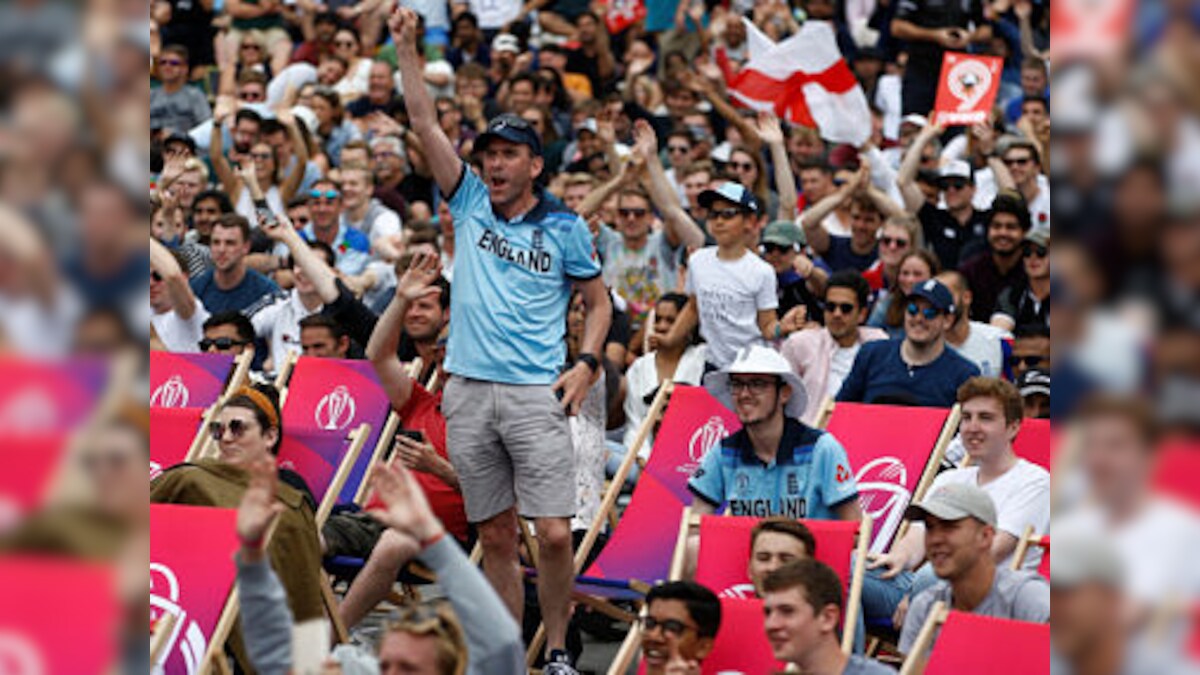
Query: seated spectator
point(732, 291)
point(916, 267)
point(775, 465)
point(774, 543)
point(823, 357)
point(798, 281)
point(227, 333)
point(1027, 302)
point(178, 317)
point(683, 365)
point(918, 369)
point(898, 237)
point(322, 337)
point(230, 285)
point(980, 343)
point(1001, 266)
point(680, 624)
point(1031, 349)
point(802, 604)
point(960, 530)
point(1034, 386)
point(247, 431)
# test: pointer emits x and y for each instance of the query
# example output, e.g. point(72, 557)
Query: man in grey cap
point(960, 525)
point(798, 281)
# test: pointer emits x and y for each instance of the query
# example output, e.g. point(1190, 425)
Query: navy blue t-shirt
point(255, 292)
point(879, 371)
point(840, 256)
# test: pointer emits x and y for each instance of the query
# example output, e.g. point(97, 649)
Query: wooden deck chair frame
point(949, 429)
point(358, 438)
point(689, 523)
point(1028, 541)
point(607, 504)
point(915, 660)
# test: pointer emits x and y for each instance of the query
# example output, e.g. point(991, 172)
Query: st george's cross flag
point(804, 80)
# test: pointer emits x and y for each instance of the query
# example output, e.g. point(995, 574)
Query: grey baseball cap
point(955, 502)
point(1076, 560)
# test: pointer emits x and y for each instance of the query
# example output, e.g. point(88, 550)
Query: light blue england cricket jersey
point(512, 283)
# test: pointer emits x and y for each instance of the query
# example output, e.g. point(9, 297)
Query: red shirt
point(423, 412)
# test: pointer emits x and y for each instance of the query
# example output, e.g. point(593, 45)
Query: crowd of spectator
point(534, 200)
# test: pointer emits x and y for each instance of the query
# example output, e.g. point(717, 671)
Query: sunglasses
point(327, 194)
point(237, 429)
point(741, 166)
point(170, 62)
point(251, 96)
point(155, 276)
point(250, 45)
point(262, 156)
point(632, 213)
point(345, 43)
point(1034, 250)
point(303, 220)
point(894, 241)
point(113, 461)
point(842, 307)
point(1029, 361)
point(681, 149)
point(1018, 161)
point(954, 184)
point(672, 627)
point(774, 248)
point(757, 385)
point(929, 312)
point(725, 214)
point(221, 343)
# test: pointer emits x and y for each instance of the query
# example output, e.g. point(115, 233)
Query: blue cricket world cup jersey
point(512, 283)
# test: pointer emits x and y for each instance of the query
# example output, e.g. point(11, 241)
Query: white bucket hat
point(758, 360)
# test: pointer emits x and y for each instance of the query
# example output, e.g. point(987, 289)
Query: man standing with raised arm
point(520, 252)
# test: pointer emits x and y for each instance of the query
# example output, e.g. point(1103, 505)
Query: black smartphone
point(412, 434)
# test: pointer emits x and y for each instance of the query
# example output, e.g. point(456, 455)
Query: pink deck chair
point(1175, 474)
point(323, 459)
point(980, 645)
point(188, 380)
point(31, 462)
point(895, 452)
point(336, 396)
point(175, 436)
point(1036, 442)
point(191, 584)
point(49, 396)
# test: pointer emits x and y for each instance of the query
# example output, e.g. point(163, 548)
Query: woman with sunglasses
point(1028, 301)
point(247, 429)
point(348, 46)
point(261, 177)
point(915, 267)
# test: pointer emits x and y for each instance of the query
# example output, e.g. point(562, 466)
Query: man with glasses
point(227, 333)
point(521, 254)
point(775, 465)
point(176, 106)
point(1001, 266)
point(823, 357)
point(917, 369)
point(1028, 303)
point(679, 155)
point(798, 280)
point(351, 247)
point(1023, 160)
point(231, 286)
point(252, 87)
point(680, 623)
point(388, 163)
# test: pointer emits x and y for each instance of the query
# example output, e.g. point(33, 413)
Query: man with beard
point(522, 252)
point(776, 465)
point(917, 369)
point(823, 357)
point(230, 285)
point(960, 532)
point(985, 345)
point(1000, 267)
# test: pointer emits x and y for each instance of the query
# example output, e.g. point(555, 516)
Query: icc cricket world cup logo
point(335, 410)
point(19, 655)
point(164, 599)
point(170, 394)
point(703, 440)
point(883, 495)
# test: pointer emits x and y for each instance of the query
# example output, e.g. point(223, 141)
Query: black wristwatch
point(591, 361)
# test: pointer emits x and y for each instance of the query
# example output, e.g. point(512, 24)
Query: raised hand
point(419, 279)
point(769, 129)
point(645, 142)
point(403, 26)
point(258, 508)
point(407, 510)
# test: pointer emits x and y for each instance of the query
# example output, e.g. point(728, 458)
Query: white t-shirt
point(730, 294)
point(1021, 496)
point(1159, 548)
point(245, 204)
point(1039, 208)
point(839, 368)
point(385, 223)
point(984, 347)
point(179, 334)
point(279, 324)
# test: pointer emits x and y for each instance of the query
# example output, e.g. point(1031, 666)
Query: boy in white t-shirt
point(731, 290)
point(992, 411)
point(178, 315)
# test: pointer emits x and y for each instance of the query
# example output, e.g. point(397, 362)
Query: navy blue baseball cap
point(730, 192)
point(513, 129)
point(936, 293)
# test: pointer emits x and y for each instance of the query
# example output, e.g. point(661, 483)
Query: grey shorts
point(510, 445)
